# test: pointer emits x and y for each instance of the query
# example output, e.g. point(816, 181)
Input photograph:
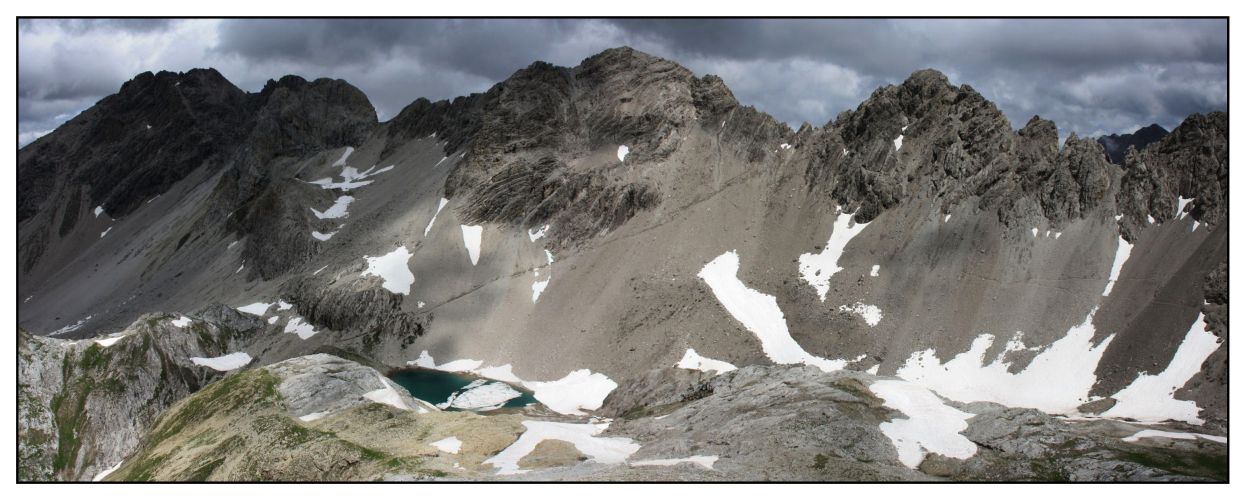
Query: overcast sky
point(1091, 77)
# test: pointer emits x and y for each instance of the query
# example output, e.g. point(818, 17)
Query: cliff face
point(611, 216)
point(87, 404)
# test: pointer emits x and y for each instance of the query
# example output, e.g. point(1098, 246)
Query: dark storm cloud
point(1090, 76)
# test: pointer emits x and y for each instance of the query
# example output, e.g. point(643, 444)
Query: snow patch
point(338, 210)
point(322, 236)
point(297, 326)
point(1149, 433)
point(1123, 248)
point(1150, 397)
point(392, 269)
point(440, 205)
point(706, 461)
point(448, 445)
point(387, 396)
point(899, 141)
point(759, 313)
point(256, 309)
point(111, 339)
point(536, 234)
point(870, 313)
point(318, 271)
point(817, 269)
point(345, 154)
point(351, 178)
point(232, 361)
point(932, 426)
point(1056, 381)
point(605, 450)
point(694, 361)
point(537, 288)
point(874, 271)
point(104, 473)
point(110, 229)
point(623, 150)
point(785, 146)
point(182, 322)
point(99, 210)
point(1149, 219)
point(503, 373)
point(1181, 203)
point(70, 328)
point(282, 305)
point(579, 390)
point(312, 417)
point(273, 320)
point(471, 240)
point(482, 395)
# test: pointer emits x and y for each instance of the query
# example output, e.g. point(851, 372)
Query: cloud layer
point(1091, 76)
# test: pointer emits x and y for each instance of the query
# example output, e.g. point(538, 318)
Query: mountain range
point(220, 285)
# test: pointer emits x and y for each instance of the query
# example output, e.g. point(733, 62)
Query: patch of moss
point(819, 461)
point(204, 471)
point(69, 412)
point(142, 470)
point(284, 433)
point(252, 387)
point(645, 411)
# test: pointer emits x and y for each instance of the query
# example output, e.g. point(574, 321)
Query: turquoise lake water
point(437, 386)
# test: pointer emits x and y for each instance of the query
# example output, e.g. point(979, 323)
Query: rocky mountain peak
point(1117, 145)
point(295, 116)
point(1191, 163)
point(1040, 139)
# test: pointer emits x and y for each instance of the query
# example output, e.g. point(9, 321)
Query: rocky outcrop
point(799, 423)
point(87, 403)
point(1117, 145)
point(269, 424)
point(926, 138)
point(367, 308)
point(1190, 163)
point(577, 205)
